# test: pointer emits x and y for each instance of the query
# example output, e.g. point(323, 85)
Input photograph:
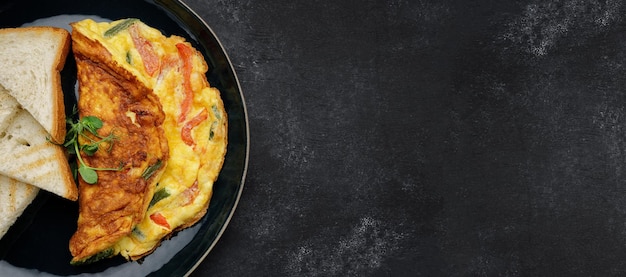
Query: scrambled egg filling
point(195, 125)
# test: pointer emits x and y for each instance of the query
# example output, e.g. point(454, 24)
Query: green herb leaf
point(91, 123)
point(151, 170)
point(138, 233)
point(212, 130)
point(217, 113)
point(158, 196)
point(96, 257)
point(119, 27)
point(90, 149)
point(76, 128)
point(88, 174)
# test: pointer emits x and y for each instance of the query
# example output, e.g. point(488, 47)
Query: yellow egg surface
point(195, 125)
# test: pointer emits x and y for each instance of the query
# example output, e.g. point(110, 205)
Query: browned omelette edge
point(90, 51)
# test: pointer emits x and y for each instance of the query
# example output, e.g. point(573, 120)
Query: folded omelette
point(151, 91)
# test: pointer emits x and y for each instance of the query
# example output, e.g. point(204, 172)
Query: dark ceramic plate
point(38, 243)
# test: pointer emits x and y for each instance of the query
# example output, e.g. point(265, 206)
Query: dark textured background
point(426, 138)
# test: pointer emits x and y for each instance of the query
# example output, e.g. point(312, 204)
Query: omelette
point(111, 208)
point(194, 125)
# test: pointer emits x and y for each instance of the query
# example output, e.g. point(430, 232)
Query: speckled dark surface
point(427, 138)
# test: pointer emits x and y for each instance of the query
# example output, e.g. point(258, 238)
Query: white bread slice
point(8, 108)
point(28, 157)
point(32, 59)
point(15, 196)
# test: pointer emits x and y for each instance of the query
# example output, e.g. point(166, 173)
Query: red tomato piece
point(159, 219)
point(186, 54)
point(191, 193)
point(151, 61)
point(186, 131)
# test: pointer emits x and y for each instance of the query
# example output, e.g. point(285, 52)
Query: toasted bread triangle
point(8, 108)
point(15, 196)
point(28, 157)
point(32, 59)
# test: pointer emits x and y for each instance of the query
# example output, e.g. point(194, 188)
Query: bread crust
point(58, 130)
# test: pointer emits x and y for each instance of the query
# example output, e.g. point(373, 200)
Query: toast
point(31, 112)
point(32, 59)
point(28, 157)
point(15, 196)
point(32, 109)
point(8, 108)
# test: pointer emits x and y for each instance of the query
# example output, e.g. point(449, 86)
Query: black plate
point(38, 242)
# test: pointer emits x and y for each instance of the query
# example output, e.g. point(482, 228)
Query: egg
point(195, 125)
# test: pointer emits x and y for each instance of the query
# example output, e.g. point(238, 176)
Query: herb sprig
point(78, 129)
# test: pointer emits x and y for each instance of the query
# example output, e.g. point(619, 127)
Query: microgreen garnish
point(87, 128)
